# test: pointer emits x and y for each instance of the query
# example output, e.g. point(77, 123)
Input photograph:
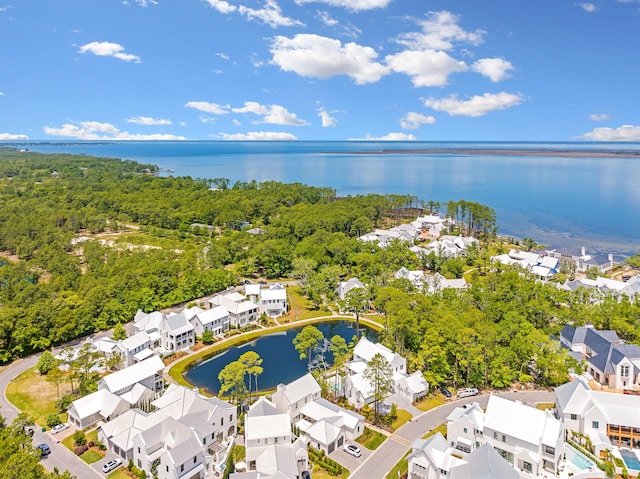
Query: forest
point(85, 242)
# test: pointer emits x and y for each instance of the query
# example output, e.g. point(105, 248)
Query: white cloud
point(413, 120)
point(1, 93)
point(497, 69)
point(222, 55)
point(271, 13)
point(327, 120)
point(273, 114)
point(146, 120)
point(207, 107)
point(93, 130)
point(108, 49)
point(426, 67)
point(5, 8)
point(588, 7)
point(387, 137)
point(477, 105)
point(439, 32)
point(354, 5)
point(325, 18)
point(142, 3)
point(259, 135)
point(622, 133)
point(599, 117)
point(9, 136)
point(321, 57)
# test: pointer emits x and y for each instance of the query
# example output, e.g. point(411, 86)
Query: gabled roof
point(261, 427)
point(324, 432)
point(473, 412)
point(212, 315)
point(102, 402)
point(320, 408)
point(415, 382)
point(275, 292)
point(178, 323)
point(301, 387)
point(366, 350)
point(484, 463)
point(262, 407)
point(136, 340)
point(178, 401)
point(133, 374)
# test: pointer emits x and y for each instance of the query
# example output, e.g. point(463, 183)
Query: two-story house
point(291, 398)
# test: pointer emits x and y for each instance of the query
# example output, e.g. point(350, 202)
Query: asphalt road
point(383, 459)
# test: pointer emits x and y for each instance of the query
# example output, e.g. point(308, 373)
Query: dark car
point(446, 392)
point(44, 449)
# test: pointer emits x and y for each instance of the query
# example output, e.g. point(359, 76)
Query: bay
point(561, 202)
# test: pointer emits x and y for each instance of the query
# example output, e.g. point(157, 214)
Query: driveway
point(349, 461)
point(383, 459)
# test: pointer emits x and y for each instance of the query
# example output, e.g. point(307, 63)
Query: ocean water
point(560, 202)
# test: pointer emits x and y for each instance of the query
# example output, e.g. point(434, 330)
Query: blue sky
point(550, 70)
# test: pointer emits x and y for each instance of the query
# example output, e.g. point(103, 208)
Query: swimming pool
point(580, 460)
point(630, 459)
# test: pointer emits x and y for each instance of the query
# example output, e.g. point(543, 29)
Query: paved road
point(378, 464)
point(60, 457)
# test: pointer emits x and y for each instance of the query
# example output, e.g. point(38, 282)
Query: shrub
point(207, 337)
point(91, 444)
point(63, 403)
point(79, 438)
point(53, 420)
point(78, 450)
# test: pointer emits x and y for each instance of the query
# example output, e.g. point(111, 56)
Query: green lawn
point(400, 468)
point(32, 394)
point(300, 307)
point(431, 402)
point(403, 416)
point(119, 474)
point(442, 429)
point(371, 439)
point(90, 457)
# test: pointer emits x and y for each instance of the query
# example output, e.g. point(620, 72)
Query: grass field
point(430, 402)
point(442, 429)
point(300, 307)
point(32, 394)
point(403, 416)
point(371, 439)
point(319, 473)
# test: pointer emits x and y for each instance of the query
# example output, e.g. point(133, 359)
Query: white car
point(111, 465)
point(467, 392)
point(353, 450)
point(58, 428)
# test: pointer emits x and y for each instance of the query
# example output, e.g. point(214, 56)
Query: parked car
point(353, 450)
point(58, 428)
point(467, 392)
point(111, 465)
point(44, 449)
point(446, 392)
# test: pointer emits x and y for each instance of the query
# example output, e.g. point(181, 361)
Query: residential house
point(608, 419)
point(291, 398)
point(580, 261)
point(177, 333)
point(464, 427)
point(432, 458)
point(101, 405)
point(448, 246)
point(117, 434)
point(151, 323)
point(273, 301)
point(436, 283)
point(610, 361)
point(365, 350)
point(416, 277)
point(215, 320)
point(136, 348)
point(605, 287)
point(147, 373)
point(412, 386)
point(242, 312)
point(432, 225)
point(345, 286)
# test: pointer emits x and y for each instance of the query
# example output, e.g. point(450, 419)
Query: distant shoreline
point(505, 152)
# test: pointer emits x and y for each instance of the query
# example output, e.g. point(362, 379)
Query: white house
point(365, 350)
point(215, 320)
point(610, 420)
point(450, 246)
point(345, 286)
point(291, 398)
point(177, 333)
point(273, 301)
point(416, 276)
point(412, 386)
point(242, 312)
point(134, 345)
point(610, 361)
point(101, 405)
point(147, 373)
point(532, 441)
point(435, 283)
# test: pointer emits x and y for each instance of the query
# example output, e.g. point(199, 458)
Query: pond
point(281, 361)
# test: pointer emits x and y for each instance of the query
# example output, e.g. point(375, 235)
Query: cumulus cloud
point(259, 135)
point(312, 55)
point(325, 18)
point(387, 137)
point(588, 7)
point(146, 120)
point(440, 30)
point(108, 49)
point(207, 107)
point(273, 114)
point(93, 130)
point(353, 5)
point(327, 120)
point(496, 69)
point(477, 105)
point(413, 120)
point(599, 117)
point(622, 133)
point(427, 67)
point(10, 136)
point(270, 14)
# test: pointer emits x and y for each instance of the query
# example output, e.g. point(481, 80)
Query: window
point(138, 449)
point(526, 466)
point(504, 438)
point(167, 468)
point(222, 421)
point(139, 464)
point(182, 468)
point(495, 435)
point(550, 450)
point(230, 417)
point(464, 429)
point(212, 436)
point(624, 371)
point(194, 459)
point(574, 417)
point(595, 424)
